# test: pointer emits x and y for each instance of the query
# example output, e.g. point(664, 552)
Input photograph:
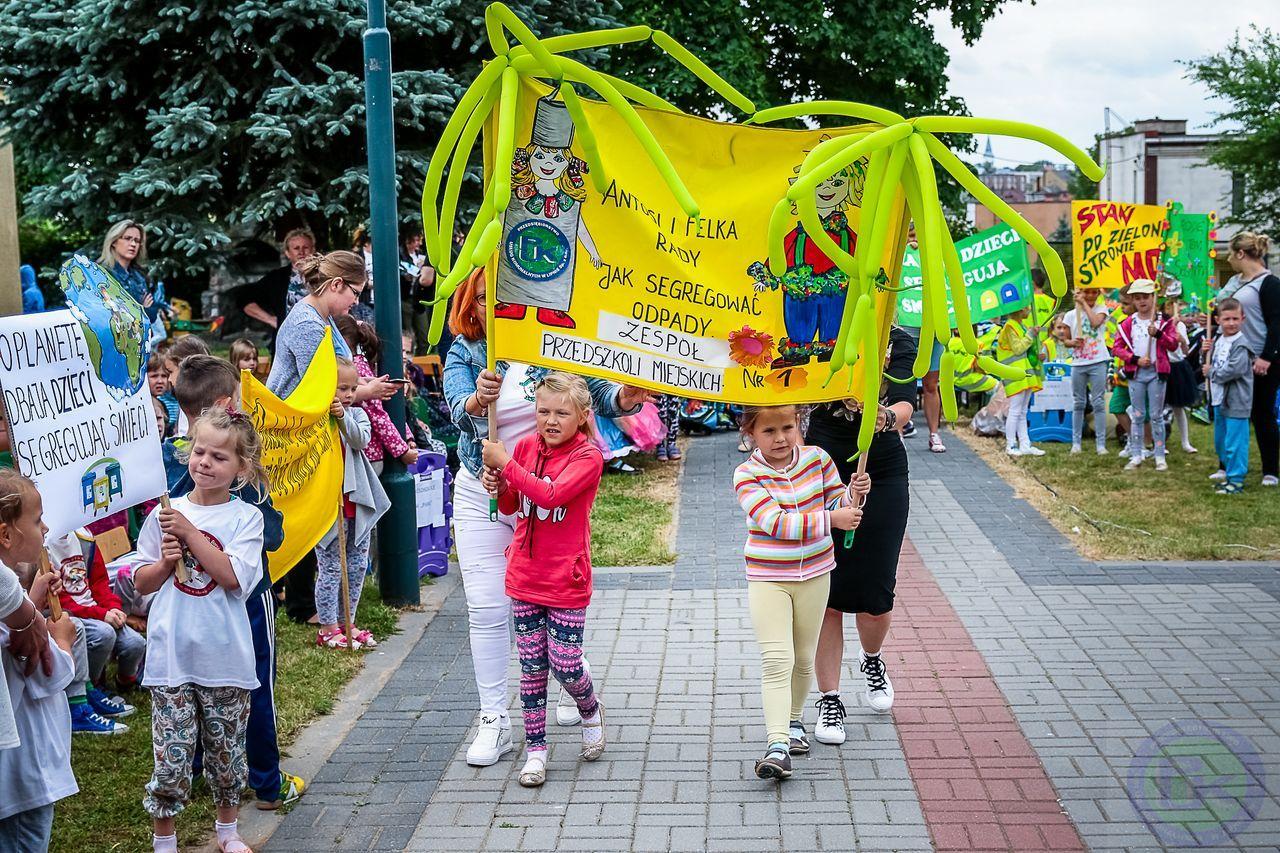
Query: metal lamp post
point(398, 529)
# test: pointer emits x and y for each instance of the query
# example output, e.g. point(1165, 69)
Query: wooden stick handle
point(181, 569)
point(862, 469)
point(342, 574)
point(55, 606)
point(493, 436)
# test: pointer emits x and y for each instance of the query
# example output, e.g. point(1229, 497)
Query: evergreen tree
point(210, 119)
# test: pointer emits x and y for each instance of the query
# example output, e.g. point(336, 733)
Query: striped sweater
point(788, 519)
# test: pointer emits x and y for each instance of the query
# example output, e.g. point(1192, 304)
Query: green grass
point(107, 814)
point(1144, 515)
point(631, 523)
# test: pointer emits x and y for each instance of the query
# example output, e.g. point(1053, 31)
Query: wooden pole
point(55, 606)
point(181, 569)
point(342, 569)
point(492, 357)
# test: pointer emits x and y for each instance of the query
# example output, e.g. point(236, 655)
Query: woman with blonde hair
point(124, 251)
point(1258, 291)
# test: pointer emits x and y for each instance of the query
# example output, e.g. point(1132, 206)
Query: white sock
point(591, 733)
point(534, 756)
point(226, 831)
point(164, 843)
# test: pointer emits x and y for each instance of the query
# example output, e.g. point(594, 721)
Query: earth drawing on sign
point(115, 327)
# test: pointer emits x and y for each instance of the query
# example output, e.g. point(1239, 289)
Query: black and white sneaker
point(879, 687)
point(830, 727)
point(909, 430)
point(799, 740)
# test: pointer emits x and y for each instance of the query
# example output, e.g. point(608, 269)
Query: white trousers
point(482, 546)
point(1015, 423)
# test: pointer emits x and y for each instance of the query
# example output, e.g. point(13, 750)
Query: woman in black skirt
point(865, 574)
point(1182, 390)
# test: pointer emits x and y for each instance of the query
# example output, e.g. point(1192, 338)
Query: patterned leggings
point(218, 716)
point(329, 576)
point(669, 411)
point(548, 634)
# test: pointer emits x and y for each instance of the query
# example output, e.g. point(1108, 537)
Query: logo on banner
point(537, 250)
point(101, 481)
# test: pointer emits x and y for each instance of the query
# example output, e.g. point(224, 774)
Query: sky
point(1060, 62)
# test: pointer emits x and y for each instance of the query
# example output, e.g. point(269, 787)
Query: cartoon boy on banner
point(813, 288)
point(544, 222)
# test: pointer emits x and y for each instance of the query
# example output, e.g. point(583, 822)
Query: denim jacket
point(462, 367)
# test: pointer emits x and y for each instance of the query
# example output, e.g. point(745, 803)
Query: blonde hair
point(14, 491)
point(570, 181)
point(751, 414)
point(1253, 244)
point(319, 270)
point(304, 233)
point(108, 257)
point(248, 445)
point(575, 388)
point(242, 348)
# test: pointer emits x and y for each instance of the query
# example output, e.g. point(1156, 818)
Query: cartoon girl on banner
point(813, 288)
point(543, 223)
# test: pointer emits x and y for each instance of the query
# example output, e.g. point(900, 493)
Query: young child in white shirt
point(200, 659)
point(36, 773)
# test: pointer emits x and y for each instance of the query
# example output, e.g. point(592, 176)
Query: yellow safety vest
point(1013, 331)
point(967, 376)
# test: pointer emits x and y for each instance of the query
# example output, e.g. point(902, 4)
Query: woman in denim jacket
point(470, 389)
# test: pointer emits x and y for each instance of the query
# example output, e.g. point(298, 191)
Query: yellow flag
point(302, 455)
point(616, 282)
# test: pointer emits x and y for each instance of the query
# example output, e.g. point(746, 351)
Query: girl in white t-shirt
point(200, 663)
point(37, 772)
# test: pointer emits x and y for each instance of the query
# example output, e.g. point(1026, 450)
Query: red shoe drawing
point(558, 319)
point(503, 311)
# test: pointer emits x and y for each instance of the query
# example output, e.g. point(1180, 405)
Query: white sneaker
point(1102, 450)
point(1032, 451)
point(493, 740)
point(1013, 451)
point(1148, 453)
point(879, 687)
point(1133, 463)
point(1219, 476)
point(1271, 480)
point(1075, 448)
point(567, 713)
point(830, 726)
point(1162, 465)
point(1186, 448)
point(1124, 452)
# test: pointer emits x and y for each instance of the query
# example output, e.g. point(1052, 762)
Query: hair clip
point(236, 416)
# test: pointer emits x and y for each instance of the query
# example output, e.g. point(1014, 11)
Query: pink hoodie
point(551, 490)
point(1166, 342)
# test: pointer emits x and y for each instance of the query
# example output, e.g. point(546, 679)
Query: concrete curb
point(318, 740)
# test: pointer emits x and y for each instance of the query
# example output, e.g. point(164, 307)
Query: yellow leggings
point(787, 617)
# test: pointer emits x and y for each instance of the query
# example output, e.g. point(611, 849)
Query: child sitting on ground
point(36, 772)
point(200, 655)
point(794, 500)
point(549, 481)
point(1230, 371)
point(363, 502)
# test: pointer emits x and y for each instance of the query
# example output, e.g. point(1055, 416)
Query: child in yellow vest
point(1017, 347)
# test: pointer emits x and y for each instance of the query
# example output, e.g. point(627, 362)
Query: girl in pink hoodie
point(550, 481)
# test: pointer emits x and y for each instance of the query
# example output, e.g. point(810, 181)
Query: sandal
point(534, 772)
point(674, 455)
point(662, 455)
point(334, 639)
point(234, 845)
point(592, 751)
point(364, 639)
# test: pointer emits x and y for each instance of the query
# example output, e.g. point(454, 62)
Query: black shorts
point(866, 574)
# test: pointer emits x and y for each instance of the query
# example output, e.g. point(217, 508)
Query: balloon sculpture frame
point(900, 154)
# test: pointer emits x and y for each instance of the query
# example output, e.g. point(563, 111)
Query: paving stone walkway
point(1044, 702)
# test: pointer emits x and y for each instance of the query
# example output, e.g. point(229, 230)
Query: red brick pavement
point(981, 785)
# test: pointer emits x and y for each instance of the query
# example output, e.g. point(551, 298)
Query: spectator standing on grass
point(470, 388)
point(1016, 346)
point(1231, 382)
point(1183, 389)
point(1258, 292)
point(1143, 343)
point(1087, 322)
point(273, 296)
point(124, 252)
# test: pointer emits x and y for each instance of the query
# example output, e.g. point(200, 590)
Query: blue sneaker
point(108, 706)
point(84, 721)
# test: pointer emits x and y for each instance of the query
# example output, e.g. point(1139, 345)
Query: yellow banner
point(302, 455)
point(620, 284)
point(1112, 243)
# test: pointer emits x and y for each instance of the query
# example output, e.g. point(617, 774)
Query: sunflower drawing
point(750, 348)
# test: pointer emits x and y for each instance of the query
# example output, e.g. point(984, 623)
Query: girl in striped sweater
point(794, 499)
